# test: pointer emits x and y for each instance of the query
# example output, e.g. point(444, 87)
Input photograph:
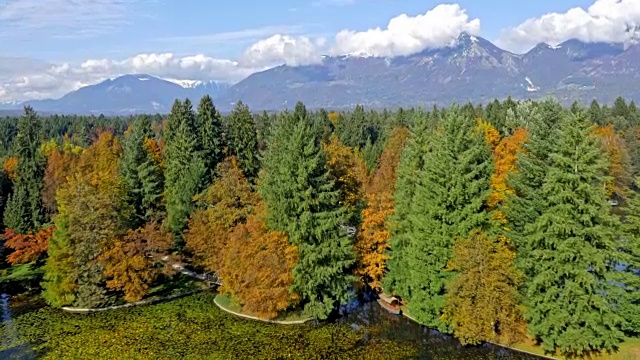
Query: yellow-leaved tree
point(482, 301)
point(343, 165)
point(619, 161)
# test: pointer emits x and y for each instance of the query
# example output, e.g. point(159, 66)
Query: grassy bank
point(228, 304)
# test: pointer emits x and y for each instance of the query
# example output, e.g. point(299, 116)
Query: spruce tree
point(24, 211)
point(628, 265)
point(243, 140)
point(449, 202)
point(174, 120)
point(595, 113)
point(524, 206)
point(152, 187)
point(185, 171)
point(133, 156)
point(353, 131)
point(303, 203)
point(188, 119)
point(396, 279)
point(572, 247)
point(210, 130)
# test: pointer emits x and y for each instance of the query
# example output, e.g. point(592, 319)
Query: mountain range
point(469, 69)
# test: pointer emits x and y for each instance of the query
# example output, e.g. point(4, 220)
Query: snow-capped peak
point(555, 47)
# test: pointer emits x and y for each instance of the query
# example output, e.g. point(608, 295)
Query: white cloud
point(604, 20)
point(54, 80)
point(406, 35)
point(280, 49)
point(66, 18)
point(403, 35)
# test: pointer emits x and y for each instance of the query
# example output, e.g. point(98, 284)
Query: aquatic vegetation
point(194, 328)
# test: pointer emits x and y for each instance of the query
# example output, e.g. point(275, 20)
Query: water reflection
point(430, 344)
point(9, 335)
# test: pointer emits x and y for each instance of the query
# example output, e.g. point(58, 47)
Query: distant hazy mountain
point(469, 69)
point(130, 94)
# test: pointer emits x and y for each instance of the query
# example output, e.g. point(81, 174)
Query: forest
point(495, 222)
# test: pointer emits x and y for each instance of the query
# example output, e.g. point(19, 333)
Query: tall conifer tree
point(185, 171)
point(572, 247)
point(628, 265)
point(133, 156)
point(304, 204)
point(243, 140)
point(24, 211)
point(396, 279)
point(210, 131)
point(526, 203)
point(449, 202)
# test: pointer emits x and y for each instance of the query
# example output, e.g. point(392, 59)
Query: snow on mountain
point(187, 84)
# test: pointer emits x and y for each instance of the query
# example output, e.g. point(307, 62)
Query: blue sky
point(49, 47)
point(201, 26)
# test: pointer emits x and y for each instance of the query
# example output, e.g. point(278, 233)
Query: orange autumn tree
point(342, 164)
point(372, 240)
point(155, 148)
point(135, 260)
point(60, 164)
point(92, 214)
point(258, 266)
point(9, 166)
point(227, 202)
point(27, 248)
point(505, 155)
point(619, 161)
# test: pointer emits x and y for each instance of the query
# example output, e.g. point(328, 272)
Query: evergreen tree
point(152, 185)
point(525, 203)
point(353, 131)
point(396, 280)
point(133, 156)
point(629, 263)
point(304, 204)
point(210, 130)
point(24, 211)
point(173, 122)
point(188, 119)
point(449, 202)
point(620, 108)
point(243, 140)
point(595, 113)
point(59, 281)
point(571, 246)
point(185, 171)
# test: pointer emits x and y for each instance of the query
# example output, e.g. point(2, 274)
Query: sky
point(51, 47)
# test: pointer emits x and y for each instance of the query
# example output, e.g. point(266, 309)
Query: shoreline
point(249, 317)
point(130, 305)
point(405, 314)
